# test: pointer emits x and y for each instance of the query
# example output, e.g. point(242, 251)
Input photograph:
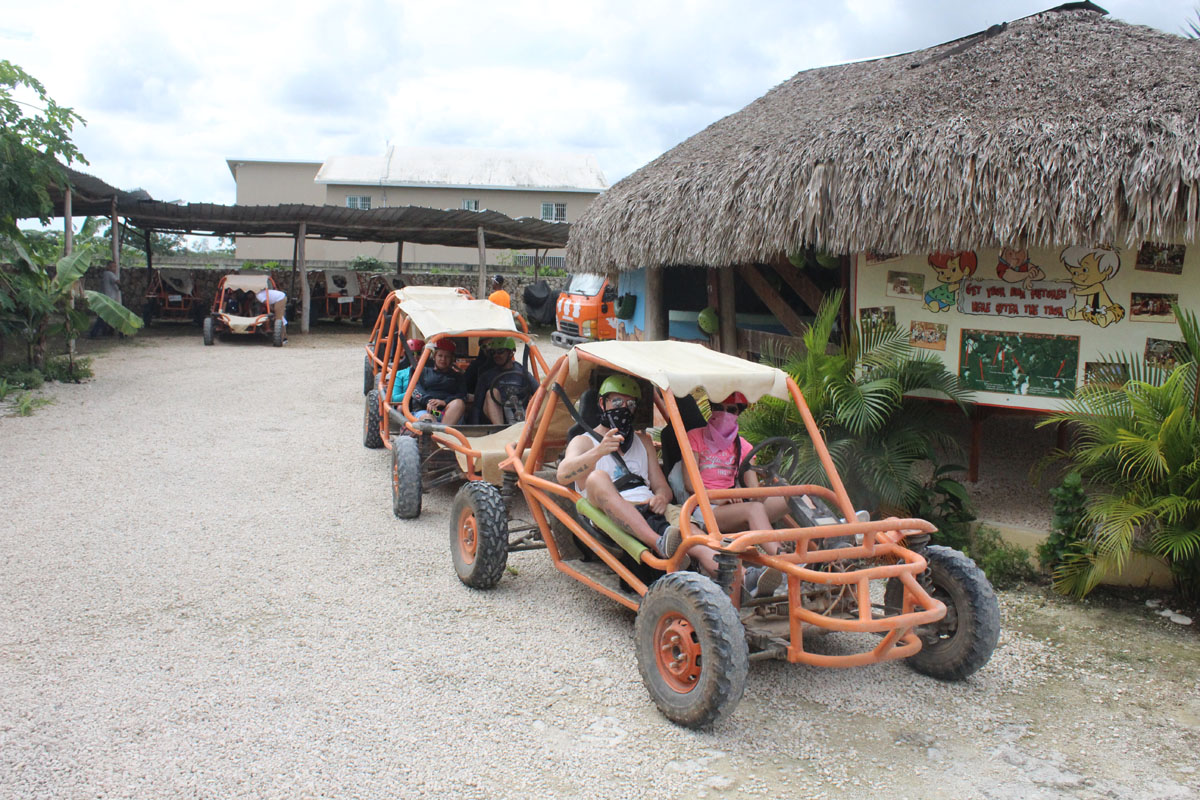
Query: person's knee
point(599, 483)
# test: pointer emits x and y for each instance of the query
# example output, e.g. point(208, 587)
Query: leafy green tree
point(31, 147)
point(1137, 446)
point(860, 394)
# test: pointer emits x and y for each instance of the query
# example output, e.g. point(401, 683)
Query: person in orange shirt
point(498, 295)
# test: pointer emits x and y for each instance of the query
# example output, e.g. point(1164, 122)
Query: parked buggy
point(426, 452)
point(170, 295)
point(338, 294)
point(237, 310)
point(695, 634)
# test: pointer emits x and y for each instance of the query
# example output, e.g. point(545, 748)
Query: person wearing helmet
point(719, 448)
point(415, 346)
point(633, 492)
point(498, 295)
point(504, 381)
point(441, 391)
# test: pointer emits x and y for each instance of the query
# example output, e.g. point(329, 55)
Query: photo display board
point(1024, 328)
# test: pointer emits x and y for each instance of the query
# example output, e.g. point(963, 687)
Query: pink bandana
point(722, 430)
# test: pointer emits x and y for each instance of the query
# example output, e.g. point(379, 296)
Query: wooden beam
point(727, 310)
point(482, 263)
point(801, 284)
point(304, 290)
point(68, 248)
point(400, 257)
point(655, 315)
point(116, 238)
point(782, 311)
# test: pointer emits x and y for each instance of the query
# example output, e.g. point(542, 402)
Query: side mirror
point(610, 294)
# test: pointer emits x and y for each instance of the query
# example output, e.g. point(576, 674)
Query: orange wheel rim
point(677, 652)
point(467, 535)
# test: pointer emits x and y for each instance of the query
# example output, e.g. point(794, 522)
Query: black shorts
point(657, 522)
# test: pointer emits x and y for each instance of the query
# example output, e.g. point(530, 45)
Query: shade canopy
point(453, 316)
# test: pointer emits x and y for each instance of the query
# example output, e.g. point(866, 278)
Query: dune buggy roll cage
point(879, 541)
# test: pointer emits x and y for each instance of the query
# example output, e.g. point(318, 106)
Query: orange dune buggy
point(425, 452)
point(695, 634)
point(170, 295)
point(231, 314)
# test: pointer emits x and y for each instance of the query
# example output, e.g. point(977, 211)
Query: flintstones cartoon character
point(1014, 266)
point(1090, 267)
point(951, 267)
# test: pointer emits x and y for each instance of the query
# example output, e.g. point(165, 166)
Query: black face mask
point(620, 420)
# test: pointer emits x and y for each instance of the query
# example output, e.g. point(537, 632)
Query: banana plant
point(40, 303)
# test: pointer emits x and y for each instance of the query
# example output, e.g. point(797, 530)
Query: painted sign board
point(1024, 328)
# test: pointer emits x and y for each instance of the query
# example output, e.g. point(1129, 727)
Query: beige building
point(550, 186)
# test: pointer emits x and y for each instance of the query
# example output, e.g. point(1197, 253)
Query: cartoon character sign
point(1014, 266)
point(1090, 267)
point(951, 267)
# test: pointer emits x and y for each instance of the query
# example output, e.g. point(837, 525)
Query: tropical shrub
point(860, 395)
point(1004, 563)
point(1067, 531)
point(1137, 447)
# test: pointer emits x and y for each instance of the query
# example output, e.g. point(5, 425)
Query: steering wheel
point(777, 471)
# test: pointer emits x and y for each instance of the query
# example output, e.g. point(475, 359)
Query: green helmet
point(507, 343)
point(621, 384)
point(708, 321)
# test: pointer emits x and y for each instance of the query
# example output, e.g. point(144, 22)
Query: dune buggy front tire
point(372, 438)
point(479, 535)
point(406, 477)
point(691, 649)
point(368, 375)
point(208, 331)
point(959, 644)
point(277, 333)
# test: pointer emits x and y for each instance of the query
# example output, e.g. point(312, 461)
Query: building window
point(361, 202)
point(554, 212)
point(470, 205)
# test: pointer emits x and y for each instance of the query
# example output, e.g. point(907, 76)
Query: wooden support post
point(149, 256)
point(400, 257)
point(727, 310)
point(655, 314)
point(482, 264)
point(68, 248)
point(304, 291)
point(116, 238)
point(845, 314)
point(801, 284)
point(782, 311)
point(295, 264)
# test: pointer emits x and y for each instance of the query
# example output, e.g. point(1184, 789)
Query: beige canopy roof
point(680, 367)
point(455, 315)
point(255, 283)
point(415, 292)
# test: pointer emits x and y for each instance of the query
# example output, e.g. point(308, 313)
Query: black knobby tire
point(277, 333)
point(691, 649)
point(208, 330)
point(406, 477)
point(368, 375)
point(372, 437)
point(479, 535)
point(967, 636)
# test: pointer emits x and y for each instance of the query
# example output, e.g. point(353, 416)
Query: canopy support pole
point(149, 255)
point(400, 257)
point(295, 257)
point(727, 310)
point(656, 322)
point(304, 291)
point(68, 248)
point(482, 264)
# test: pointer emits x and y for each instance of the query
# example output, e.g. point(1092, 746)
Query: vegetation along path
point(205, 594)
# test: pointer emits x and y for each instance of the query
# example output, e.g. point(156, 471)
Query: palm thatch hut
point(1063, 127)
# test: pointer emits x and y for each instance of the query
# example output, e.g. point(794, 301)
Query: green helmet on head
point(506, 343)
point(621, 384)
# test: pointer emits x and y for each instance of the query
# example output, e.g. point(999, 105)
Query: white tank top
point(638, 461)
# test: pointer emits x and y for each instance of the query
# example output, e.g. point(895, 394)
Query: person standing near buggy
point(498, 295)
point(441, 390)
point(110, 286)
point(635, 495)
point(276, 301)
point(502, 381)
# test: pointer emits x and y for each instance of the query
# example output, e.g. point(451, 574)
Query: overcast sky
point(171, 90)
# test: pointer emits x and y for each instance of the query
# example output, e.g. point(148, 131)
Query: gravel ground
point(206, 595)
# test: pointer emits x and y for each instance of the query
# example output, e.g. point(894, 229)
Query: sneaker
point(669, 542)
point(761, 581)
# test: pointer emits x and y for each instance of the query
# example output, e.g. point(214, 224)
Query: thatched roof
point(1062, 127)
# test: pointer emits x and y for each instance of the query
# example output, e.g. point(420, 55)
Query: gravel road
point(206, 595)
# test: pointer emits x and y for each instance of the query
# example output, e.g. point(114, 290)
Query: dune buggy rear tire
point(479, 535)
point(208, 331)
point(691, 649)
point(406, 477)
point(961, 643)
point(277, 333)
point(372, 437)
point(368, 375)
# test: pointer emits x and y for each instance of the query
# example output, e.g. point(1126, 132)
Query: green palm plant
point(1137, 446)
point(863, 396)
